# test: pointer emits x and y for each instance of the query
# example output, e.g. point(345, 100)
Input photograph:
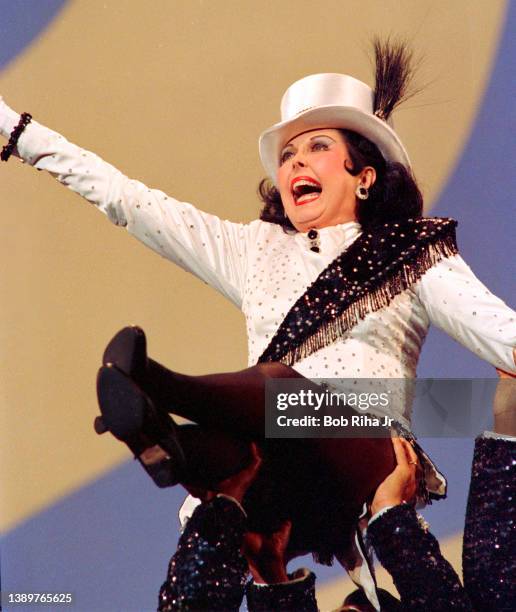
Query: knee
point(275, 369)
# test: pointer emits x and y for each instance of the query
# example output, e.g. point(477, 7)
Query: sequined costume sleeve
point(210, 248)
point(295, 596)
point(457, 302)
point(207, 571)
point(424, 579)
point(489, 554)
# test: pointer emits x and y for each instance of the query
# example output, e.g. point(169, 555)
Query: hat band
point(307, 108)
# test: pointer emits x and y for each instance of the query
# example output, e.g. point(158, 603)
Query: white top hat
point(329, 100)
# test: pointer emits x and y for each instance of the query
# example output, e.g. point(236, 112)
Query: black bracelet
point(7, 151)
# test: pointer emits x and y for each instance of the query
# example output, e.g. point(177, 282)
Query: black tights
point(233, 401)
point(228, 412)
point(323, 483)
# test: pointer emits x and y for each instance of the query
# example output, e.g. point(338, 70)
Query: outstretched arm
point(462, 306)
point(212, 249)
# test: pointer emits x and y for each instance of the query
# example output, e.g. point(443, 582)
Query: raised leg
point(320, 483)
point(233, 401)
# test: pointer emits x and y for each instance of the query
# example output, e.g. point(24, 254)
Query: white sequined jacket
point(264, 270)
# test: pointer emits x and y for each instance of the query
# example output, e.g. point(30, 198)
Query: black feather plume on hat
point(395, 67)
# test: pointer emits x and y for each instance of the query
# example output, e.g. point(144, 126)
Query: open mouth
point(305, 189)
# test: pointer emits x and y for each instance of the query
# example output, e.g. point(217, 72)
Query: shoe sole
point(121, 404)
point(130, 416)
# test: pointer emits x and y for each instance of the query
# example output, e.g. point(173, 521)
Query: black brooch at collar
point(378, 266)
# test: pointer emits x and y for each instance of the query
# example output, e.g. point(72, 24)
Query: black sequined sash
point(378, 266)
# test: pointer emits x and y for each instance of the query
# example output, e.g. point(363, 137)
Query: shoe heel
point(132, 418)
point(160, 467)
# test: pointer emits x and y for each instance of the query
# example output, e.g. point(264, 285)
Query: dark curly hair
point(394, 195)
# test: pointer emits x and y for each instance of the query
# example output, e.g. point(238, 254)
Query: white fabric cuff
point(498, 436)
point(8, 119)
point(298, 576)
point(187, 509)
point(378, 514)
point(234, 501)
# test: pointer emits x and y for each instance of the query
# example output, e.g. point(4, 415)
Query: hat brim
point(339, 117)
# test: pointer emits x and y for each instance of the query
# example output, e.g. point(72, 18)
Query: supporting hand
point(503, 373)
point(401, 484)
point(504, 404)
point(234, 486)
point(266, 554)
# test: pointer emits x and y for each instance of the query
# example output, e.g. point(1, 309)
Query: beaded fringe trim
point(378, 298)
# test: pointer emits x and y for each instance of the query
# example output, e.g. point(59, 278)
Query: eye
point(319, 145)
point(286, 155)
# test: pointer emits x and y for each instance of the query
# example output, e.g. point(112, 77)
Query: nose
point(298, 161)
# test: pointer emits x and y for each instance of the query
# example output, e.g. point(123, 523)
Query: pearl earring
point(362, 192)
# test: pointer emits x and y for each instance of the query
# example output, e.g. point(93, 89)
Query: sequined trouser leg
point(489, 554)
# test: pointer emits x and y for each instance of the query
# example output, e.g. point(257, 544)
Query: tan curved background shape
point(175, 94)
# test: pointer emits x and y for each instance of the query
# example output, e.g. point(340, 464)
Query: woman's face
point(315, 188)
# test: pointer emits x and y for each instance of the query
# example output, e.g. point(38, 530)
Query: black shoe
point(127, 350)
point(131, 417)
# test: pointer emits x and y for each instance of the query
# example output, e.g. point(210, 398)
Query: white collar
point(331, 237)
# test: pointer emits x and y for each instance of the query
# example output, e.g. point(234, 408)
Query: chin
point(306, 216)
